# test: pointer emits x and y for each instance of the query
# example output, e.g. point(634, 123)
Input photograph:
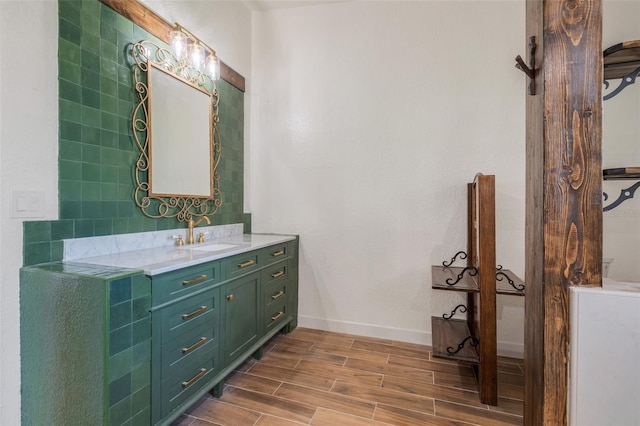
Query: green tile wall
point(129, 375)
point(97, 151)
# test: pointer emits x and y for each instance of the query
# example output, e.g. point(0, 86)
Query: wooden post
point(564, 187)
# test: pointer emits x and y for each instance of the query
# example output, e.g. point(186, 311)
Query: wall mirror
point(175, 129)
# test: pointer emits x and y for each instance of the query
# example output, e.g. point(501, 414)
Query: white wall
point(368, 120)
point(28, 159)
point(620, 148)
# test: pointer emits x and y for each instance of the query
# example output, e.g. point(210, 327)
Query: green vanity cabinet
point(85, 334)
point(103, 345)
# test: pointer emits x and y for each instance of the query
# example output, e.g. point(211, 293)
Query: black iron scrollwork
point(462, 308)
point(462, 255)
point(474, 343)
point(473, 271)
point(625, 194)
point(627, 80)
point(500, 274)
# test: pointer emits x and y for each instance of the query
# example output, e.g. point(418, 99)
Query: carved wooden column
point(564, 185)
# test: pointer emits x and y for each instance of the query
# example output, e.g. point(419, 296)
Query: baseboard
point(513, 350)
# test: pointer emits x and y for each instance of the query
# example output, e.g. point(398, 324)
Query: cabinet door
point(242, 315)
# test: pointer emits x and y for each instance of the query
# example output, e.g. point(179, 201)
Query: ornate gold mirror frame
point(147, 55)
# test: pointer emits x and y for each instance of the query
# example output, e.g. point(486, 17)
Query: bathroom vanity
point(136, 337)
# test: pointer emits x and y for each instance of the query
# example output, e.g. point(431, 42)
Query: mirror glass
point(180, 153)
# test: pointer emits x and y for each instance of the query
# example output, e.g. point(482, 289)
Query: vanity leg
point(216, 391)
point(258, 354)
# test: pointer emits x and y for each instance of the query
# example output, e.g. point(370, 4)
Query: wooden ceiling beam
point(153, 23)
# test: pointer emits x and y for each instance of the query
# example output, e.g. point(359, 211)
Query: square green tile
point(68, 51)
point(109, 192)
point(104, 227)
point(83, 227)
point(70, 150)
point(91, 191)
point(61, 229)
point(68, 31)
point(119, 340)
point(120, 225)
point(90, 97)
point(70, 111)
point(70, 91)
point(90, 135)
point(140, 402)
point(69, 71)
point(57, 251)
point(119, 315)
point(108, 139)
point(109, 174)
point(90, 42)
point(37, 231)
point(119, 389)
point(120, 364)
point(90, 153)
point(90, 79)
point(90, 172)
point(69, 170)
point(90, 117)
point(70, 190)
point(71, 210)
point(108, 103)
point(120, 412)
point(35, 253)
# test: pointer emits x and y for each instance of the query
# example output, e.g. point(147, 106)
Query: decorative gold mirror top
point(175, 128)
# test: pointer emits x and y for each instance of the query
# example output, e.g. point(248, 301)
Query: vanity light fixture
point(188, 48)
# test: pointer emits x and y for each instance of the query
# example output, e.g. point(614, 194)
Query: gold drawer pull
point(277, 253)
point(194, 313)
point(281, 313)
point(245, 264)
point(195, 345)
point(278, 294)
point(194, 378)
point(230, 297)
point(195, 280)
point(277, 274)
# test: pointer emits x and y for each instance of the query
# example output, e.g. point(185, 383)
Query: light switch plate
point(27, 204)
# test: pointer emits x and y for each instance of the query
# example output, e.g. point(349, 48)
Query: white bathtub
point(613, 285)
point(604, 385)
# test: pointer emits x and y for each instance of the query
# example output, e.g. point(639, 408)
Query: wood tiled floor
point(313, 377)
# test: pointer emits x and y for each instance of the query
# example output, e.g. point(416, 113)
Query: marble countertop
point(159, 260)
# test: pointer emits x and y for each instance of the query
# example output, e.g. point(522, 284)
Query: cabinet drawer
point(275, 253)
point(180, 283)
point(276, 292)
point(186, 347)
point(186, 315)
point(276, 272)
point(275, 314)
point(189, 379)
point(241, 264)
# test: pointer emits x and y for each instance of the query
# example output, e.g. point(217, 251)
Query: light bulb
point(213, 67)
point(178, 42)
point(196, 56)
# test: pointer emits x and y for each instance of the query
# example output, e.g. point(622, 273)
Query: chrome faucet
point(192, 224)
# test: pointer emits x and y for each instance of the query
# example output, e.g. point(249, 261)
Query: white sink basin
point(213, 247)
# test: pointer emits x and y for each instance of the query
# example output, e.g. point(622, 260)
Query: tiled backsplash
point(97, 152)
